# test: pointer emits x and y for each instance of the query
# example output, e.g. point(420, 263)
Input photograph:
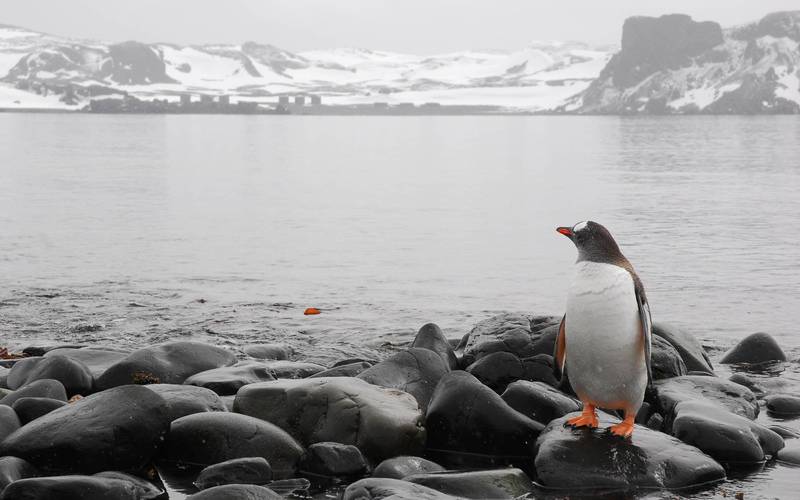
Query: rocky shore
point(480, 417)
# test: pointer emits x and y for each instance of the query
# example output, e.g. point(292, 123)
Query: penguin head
point(593, 241)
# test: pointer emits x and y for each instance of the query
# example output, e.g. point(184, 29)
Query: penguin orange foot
point(588, 418)
point(623, 429)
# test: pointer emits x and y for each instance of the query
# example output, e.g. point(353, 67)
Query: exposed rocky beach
point(434, 418)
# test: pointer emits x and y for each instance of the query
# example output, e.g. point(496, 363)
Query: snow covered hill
point(40, 70)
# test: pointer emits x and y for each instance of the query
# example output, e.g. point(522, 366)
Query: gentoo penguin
point(604, 337)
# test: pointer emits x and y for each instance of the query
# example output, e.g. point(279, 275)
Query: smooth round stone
point(430, 337)
point(97, 360)
point(729, 395)
point(105, 486)
point(383, 488)
point(13, 469)
point(185, 400)
point(268, 351)
point(73, 375)
point(749, 382)
point(783, 405)
point(539, 401)
point(400, 467)
point(334, 460)
point(692, 353)
point(415, 371)
point(226, 381)
point(756, 348)
point(29, 409)
point(236, 492)
point(9, 421)
point(506, 483)
point(507, 332)
point(46, 388)
point(248, 470)
point(348, 370)
point(665, 360)
point(499, 369)
point(789, 454)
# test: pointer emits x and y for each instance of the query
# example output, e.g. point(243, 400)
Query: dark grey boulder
point(506, 483)
point(13, 469)
point(109, 486)
point(508, 332)
point(465, 416)
point(583, 459)
point(727, 437)
point(236, 492)
point(381, 422)
point(694, 356)
point(783, 405)
point(41, 350)
point(29, 409)
point(753, 349)
point(430, 337)
point(539, 401)
point(97, 360)
point(348, 370)
point(723, 393)
point(785, 432)
point(382, 488)
point(185, 400)
point(333, 460)
point(293, 369)
point(45, 388)
point(349, 361)
point(268, 351)
point(415, 371)
point(73, 375)
point(121, 429)
point(498, 369)
point(665, 361)
point(248, 470)
point(790, 454)
point(749, 382)
point(214, 437)
point(4, 377)
point(228, 380)
point(295, 487)
point(402, 466)
point(9, 421)
point(170, 363)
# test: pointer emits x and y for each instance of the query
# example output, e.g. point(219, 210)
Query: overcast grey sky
point(421, 26)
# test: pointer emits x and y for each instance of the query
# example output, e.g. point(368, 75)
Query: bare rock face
point(756, 348)
point(507, 332)
point(415, 371)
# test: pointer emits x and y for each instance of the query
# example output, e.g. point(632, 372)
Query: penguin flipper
point(560, 354)
point(647, 330)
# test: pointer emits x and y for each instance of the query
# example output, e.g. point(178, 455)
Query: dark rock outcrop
point(728, 395)
point(430, 337)
point(73, 375)
point(170, 363)
point(381, 422)
point(507, 483)
point(498, 369)
point(508, 332)
point(9, 421)
point(753, 349)
point(120, 429)
point(694, 356)
point(783, 405)
point(333, 460)
point(45, 388)
point(228, 380)
point(13, 469)
point(415, 371)
point(185, 400)
point(214, 437)
point(135, 63)
point(29, 409)
point(539, 401)
point(106, 486)
point(248, 470)
point(381, 488)
point(97, 360)
point(465, 416)
point(400, 467)
point(585, 459)
point(665, 361)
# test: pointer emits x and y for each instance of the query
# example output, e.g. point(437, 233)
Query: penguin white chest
point(604, 342)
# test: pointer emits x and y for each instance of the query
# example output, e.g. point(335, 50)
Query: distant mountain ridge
point(666, 65)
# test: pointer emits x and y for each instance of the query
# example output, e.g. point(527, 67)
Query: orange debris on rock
point(4, 354)
point(311, 311)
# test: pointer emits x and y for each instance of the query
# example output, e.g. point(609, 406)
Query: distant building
point(186, 99)
point(206, 100)
point(406, 105)
point(224, 100)
point(380, 105)
point(283, 100)
point(300, 100)
point(316, 100)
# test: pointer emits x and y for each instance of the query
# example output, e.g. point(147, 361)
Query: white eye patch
point(580, 226)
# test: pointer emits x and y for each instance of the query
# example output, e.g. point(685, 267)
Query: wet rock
point(334, 460)
point(508, 332)
point(755, 348)
point(4, 377)
point(381, 422)
point(236, 492)
point(29, 409)
point(790, 454)
point(381, 488)
point(170, 363)
point(749, 382)
point(785, 432)
point(400, 467)
point(783, 405)
point(293, 369)
point(720, 392)
point(665, 360)
point(349, 361)
point(723, 435)
point(466, 416)
point(248, 470)
point(9, 421)
point(507, 483)
point(210, 438)
point(349, 370)
point(13, 469)
point(415, 371)
point(694, 356)
point(268, 351)
point(46, 388)
point(539, 401)
point(567, 458)
point(73, 375)
point(41, 350)
point(498, 369)
point(293, 488)
point(121, 429)
point(97, 360)
point(430, 337)
point(185, 400)
point(228, 380)
point(116, 486)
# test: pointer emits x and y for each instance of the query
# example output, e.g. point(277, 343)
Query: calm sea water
point(128, 230)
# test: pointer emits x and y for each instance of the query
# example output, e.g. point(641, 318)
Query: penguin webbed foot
point(623, 429)
point(586, 419)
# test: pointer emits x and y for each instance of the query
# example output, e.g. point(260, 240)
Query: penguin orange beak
point(566, 231)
